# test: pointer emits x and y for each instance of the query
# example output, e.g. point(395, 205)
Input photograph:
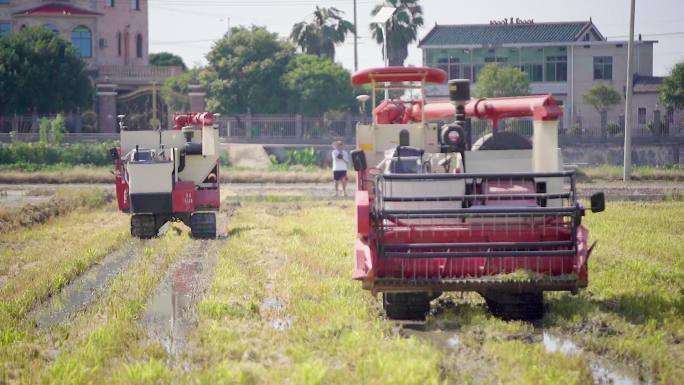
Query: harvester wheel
point(516, 306)
point(143, 226)
point(406, 306)
point(203, 225)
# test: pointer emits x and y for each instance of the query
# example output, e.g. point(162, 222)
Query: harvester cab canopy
point(398, 79)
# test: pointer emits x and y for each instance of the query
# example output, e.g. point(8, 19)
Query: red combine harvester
point(170, 175)
point(436, 212)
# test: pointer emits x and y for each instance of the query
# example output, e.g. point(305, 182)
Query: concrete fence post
point(348, 127)
point(604, 126)
point(78, 122)
point(34, 122)
point(197, 97)
point(248, 125)
point(299, 126)
point(657, 127)
point(106, 108)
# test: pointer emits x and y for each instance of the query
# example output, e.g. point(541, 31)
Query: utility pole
point(627, 171)
point(356, 41)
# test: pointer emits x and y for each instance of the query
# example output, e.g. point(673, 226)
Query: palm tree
point(402, 28)
point(321, 35)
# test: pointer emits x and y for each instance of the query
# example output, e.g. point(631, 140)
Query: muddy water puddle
point(171, 313)
point(603, 371)
point(84, 289)
point(17, 197)
point(273, 309)
point(443, 338)
point(448, 338)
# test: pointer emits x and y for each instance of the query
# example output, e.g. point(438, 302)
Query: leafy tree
point(323, 33)
point(245, 71)
point(495, 81)
point(43, 72)
point(166, 59)
point(602, 98)
point(672, 89)
point(175, 90)
point(317, 85)
point(402, 29)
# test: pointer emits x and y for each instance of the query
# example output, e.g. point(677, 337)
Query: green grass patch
point(633, 308)
point(39, 155)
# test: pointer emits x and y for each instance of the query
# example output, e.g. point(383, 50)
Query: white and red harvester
point(170, 175)
point(436, 212)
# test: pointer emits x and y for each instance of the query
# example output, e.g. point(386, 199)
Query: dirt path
point(86, 288)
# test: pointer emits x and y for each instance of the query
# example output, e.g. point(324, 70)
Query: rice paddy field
point(271, 301)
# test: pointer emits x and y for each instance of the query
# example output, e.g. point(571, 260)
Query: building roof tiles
point(493, 34)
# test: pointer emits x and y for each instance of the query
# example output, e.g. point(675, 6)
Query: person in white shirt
point(340, 161)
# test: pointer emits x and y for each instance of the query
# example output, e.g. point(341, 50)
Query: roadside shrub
point(58, 129)
point(44, 130)
point(39, 155)
point(614, 129)
point(306, 157)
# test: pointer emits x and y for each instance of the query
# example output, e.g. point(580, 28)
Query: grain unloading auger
point(170, 175)
point(436, 214)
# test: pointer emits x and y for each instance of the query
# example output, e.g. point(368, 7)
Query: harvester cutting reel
point(146, 226)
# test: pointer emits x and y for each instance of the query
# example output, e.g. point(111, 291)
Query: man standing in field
point(340, 160)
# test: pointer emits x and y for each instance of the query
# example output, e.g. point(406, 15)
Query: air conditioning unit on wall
point(103, 43)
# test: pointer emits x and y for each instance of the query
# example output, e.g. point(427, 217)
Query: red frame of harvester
point(470, 249)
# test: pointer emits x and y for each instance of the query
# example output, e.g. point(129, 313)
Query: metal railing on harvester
point(433, 228)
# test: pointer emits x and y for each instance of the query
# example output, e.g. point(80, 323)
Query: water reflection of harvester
point(437, 212)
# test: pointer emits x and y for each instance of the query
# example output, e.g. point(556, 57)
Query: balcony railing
point(137, 74)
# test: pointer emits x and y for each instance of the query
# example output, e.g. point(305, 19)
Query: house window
point(603, 68)
point(443, 64)
point(139, 45)
point(535, 72)
point(118, 43)
point(82, 39)
point(587, 37)
point(110, 3)
point(556, 68)
point(641, 115)
point(135, 5)
point(51, 27)
point(5, 29)
point(454, 68)
point(4, 1)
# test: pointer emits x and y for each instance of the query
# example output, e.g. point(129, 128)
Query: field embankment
point(59, 202)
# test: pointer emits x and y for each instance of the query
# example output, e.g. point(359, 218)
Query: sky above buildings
point(189, 27)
